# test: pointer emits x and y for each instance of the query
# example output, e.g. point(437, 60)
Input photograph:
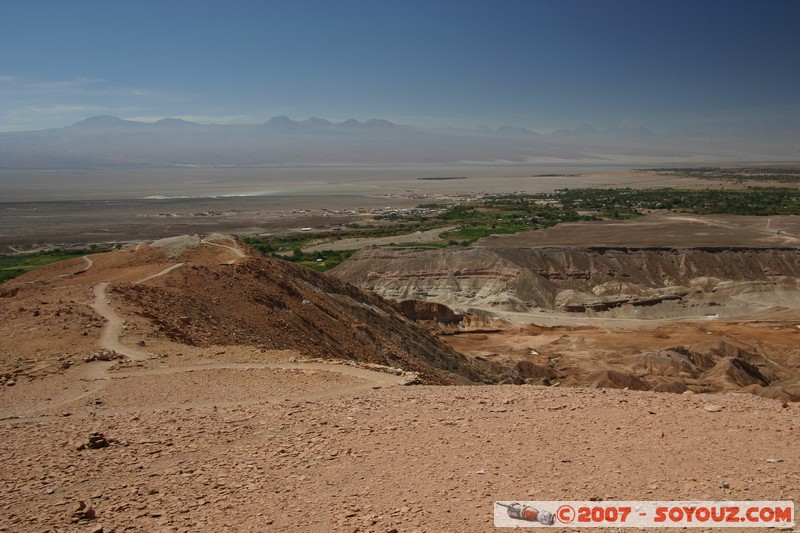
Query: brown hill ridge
point(214, 292)
point(581, 280)
point(656, 318)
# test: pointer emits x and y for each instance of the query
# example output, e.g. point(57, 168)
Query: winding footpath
point(239, 253)
point(109, 338)
point(97, 372)
point(87, 265)
point(159, 273)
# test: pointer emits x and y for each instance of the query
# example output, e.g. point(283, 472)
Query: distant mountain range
point(112, 142)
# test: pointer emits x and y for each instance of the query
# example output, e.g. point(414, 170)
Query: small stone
point(97, 441)
point(84, 512)
point(481, 471)
point(712, 408)
point(724, 485)
point(10, 383)
point(774, 460)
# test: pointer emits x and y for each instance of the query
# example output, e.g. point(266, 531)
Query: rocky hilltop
point(205, 293)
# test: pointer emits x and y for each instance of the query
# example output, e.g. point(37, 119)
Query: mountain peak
point(104, 121)
point(379, 123)
point(350, 123)
point(170, 121)
point(317, 122)
point(282, 122)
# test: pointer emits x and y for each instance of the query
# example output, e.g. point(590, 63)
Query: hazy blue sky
point(669, 65)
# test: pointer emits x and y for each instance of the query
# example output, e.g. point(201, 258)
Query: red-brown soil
point(232, 429)
point(203, 294)
point(268, 452)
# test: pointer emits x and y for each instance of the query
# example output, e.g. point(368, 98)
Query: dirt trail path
point(109, 339)
point(239, 253)
point(98, 373)
point(160, 273)
point(88, 265)
point(373, 378)
point(92, 379)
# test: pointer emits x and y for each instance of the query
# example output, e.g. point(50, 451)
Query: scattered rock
point(712, 408)
point(103, 355)
point(724, 485)
point(97, 440)
point(84, 512)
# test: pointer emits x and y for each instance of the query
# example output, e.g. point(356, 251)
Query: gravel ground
point(391, 458)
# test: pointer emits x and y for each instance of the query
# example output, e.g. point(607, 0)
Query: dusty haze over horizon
point(679, 68)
